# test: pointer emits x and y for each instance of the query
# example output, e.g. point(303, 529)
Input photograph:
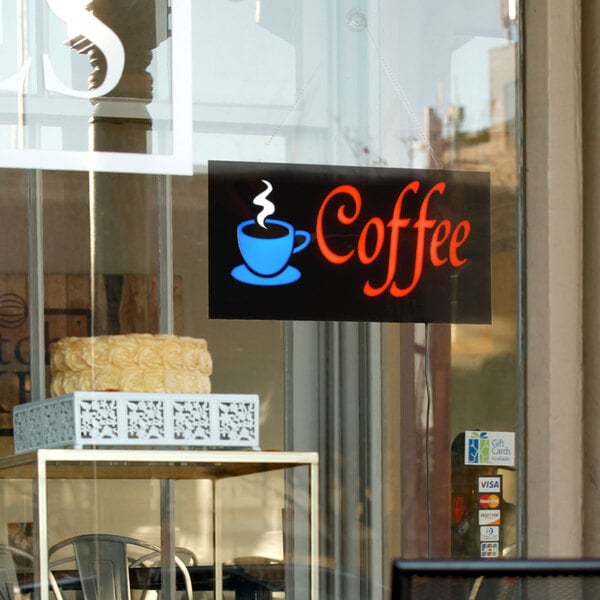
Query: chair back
point(103, 568)
point(9, 582)
point(103, 562)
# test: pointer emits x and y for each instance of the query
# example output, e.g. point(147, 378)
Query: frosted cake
point(137, 362)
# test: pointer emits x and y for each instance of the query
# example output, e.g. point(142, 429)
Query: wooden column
point(123, 207)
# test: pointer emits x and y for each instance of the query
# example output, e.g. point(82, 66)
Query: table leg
point(217, 541)
point(314, 531)
point(40, 508)
point(167, 537)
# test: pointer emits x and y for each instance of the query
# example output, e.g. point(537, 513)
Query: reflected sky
point(302, 81)
point(353, 76)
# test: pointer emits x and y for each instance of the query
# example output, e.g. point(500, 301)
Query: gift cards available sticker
point(490, 448)
point(489, 517)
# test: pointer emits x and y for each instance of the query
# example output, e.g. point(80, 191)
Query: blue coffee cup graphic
point(267, 251)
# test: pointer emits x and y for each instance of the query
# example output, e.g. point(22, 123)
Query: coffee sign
point(313, 242)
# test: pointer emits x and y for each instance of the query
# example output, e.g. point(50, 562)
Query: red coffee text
point(441, 246)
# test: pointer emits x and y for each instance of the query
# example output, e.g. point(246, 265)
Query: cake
point(137, 362)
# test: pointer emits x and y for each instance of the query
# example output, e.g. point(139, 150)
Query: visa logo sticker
point(489, 533)
point(490, 484)
point(489, 517)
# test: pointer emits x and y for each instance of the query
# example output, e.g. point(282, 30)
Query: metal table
point(168, 466)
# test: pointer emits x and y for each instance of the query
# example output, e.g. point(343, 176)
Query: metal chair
point(103, 562)
point(9, 583)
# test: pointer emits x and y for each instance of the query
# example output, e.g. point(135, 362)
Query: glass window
point(416, 84)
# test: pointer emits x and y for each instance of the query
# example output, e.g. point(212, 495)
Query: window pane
point(14, 300)
point(425, 84)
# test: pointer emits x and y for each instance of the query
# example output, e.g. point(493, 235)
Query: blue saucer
point(245, 275)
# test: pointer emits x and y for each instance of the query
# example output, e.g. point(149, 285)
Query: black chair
point(491, 579)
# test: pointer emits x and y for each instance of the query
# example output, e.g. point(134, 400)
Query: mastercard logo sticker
point(489, 501)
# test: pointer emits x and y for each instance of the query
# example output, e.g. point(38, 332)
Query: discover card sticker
point(489, 517)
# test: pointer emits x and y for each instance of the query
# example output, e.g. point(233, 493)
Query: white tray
point(116, 419)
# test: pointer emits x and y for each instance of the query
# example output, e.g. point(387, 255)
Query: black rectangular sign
point(324, 243)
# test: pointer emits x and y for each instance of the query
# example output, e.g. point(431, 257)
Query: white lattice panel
point(114, 419)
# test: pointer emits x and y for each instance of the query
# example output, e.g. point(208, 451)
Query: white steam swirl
point(268, 208)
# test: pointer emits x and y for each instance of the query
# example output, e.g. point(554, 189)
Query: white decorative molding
point(116, 419)
point(63, 110)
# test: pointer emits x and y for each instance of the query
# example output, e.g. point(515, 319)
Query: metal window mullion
point(334, 444)
point(36, 285)
point(371, 418)
point(165, 255)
